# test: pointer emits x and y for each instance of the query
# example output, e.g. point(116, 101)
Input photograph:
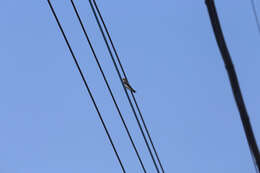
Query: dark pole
point(234, 82)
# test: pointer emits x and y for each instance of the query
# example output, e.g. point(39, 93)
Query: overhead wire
point(234, 82)
point(148, 133)
point(119, 75)
point(107, 84)
point(87, 87)
point(254, 161)
point(125, 76)
point(255, 15)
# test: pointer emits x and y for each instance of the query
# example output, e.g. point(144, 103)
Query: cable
point(108, 86)
point(255, 14)
point(112, 57)
point(233, 81)
point(254, 161)
point(86, 85)
point(121, 66)
point(147, 131)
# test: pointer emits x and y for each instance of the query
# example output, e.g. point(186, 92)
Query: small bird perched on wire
point(127, 85)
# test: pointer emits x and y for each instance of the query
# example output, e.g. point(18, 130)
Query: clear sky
point(48, 122)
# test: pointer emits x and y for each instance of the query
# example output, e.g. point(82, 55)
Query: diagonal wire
point(148, 133)
point(130, 102)
point(233, 82)
point(86, 85)
point(254, 161)
point(108, 86)
point(255, 14)
point(121, 66)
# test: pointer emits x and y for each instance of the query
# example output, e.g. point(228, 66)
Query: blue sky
point(48, 122)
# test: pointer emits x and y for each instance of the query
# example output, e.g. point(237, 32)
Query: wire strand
point(121, 66)
point(233, 81)
point(148, 133)
point(256, 16)
point(254, 161)
point(86, 85)
point(119, 75)
point(108, 86)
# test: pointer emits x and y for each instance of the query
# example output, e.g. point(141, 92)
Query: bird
point(127, 85)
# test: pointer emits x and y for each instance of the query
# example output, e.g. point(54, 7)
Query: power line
point(86, 85)
point(108, 86)
point(255, 14)
point(233, 81)
point(121, 66)
point(130, 102)
point(148, 133)
point(254, 161)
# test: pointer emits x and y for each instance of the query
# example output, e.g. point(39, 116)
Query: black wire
point(130, 102)
point(233, 81)
point(121, 66)
point(86, 85)
point(255, 14)
point(148, 133)
point(254, 161)
point(108, 86)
